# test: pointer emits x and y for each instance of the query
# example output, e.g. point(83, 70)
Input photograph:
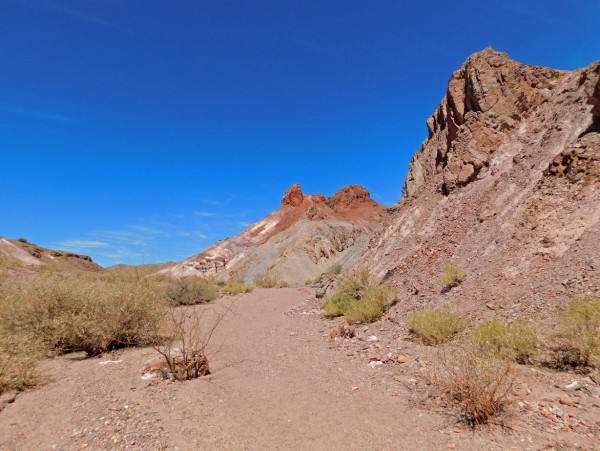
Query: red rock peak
point(293, 196)
point(349, 197)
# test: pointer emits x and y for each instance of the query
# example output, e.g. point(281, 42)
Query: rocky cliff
point(506, 185)
point(303, 238)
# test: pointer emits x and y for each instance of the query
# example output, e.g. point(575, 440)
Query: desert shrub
point(359, 300)
point(192, 290)
point(435, 326)
point(82, 313)
point(185, 347)
point(233, 287)
point(475, 380)
point(577, 341)
point(355, 284)
point(452, 276)
point(336, 269)
point(22, 240)
point(268, 280)
point(516, 340)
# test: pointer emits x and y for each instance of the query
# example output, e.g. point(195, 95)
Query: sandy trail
point(276, 384)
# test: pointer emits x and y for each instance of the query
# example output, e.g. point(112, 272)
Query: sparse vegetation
point(336, 269)
point(452, 276)
point(192, 290)
point(435, 326)
point(233, 287)
point(7, 262)
point(359, 300)
point(268, 280)
point(474, 379)
point(81, 313)
point(516, 340)
point(19, 356)
point(577, 342)
point(184, 350)
point(313, 282)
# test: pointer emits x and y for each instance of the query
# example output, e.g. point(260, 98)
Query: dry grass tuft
point(268, 280)
point(452, 276)
point(7, 262)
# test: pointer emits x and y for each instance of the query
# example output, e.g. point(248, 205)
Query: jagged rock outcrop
point(297, 242)
point(507, 185)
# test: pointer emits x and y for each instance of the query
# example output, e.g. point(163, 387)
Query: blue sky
point(143, 131)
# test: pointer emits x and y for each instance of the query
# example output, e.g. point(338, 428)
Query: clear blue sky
point(143, 131)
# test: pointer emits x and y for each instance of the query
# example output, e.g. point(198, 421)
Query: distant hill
point(142, 270)
point(29, 254)
point(297, 242)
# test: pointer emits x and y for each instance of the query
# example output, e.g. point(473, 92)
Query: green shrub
point(358, 300)
point(355, 284)
point(268, 280)
point(433, 326)
point(516, 340)
point(452, 276)
point(192, 290)
point(81, 313)
point(577, 342)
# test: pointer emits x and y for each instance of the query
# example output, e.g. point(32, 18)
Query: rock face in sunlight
point(297, 242)
point(506, 186)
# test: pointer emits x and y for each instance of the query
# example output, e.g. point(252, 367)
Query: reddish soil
point(278, 382)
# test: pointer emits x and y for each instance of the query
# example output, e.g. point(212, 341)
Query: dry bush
point(359, 300)
point(475, 380)
point(577, 341)
point(517, 340)
point(233, 287)
point(192, 290)
point(435, 326)
point(189, 334)
point(19, 356)
point(268, 280)
point(452, 276)
point(82, 313)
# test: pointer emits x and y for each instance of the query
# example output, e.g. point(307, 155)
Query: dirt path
point(276, 384)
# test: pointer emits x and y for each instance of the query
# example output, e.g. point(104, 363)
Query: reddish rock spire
point(293, 196)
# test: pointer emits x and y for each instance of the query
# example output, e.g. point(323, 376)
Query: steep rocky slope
point(29, 254)
point(297, 242)
point(507, 185)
